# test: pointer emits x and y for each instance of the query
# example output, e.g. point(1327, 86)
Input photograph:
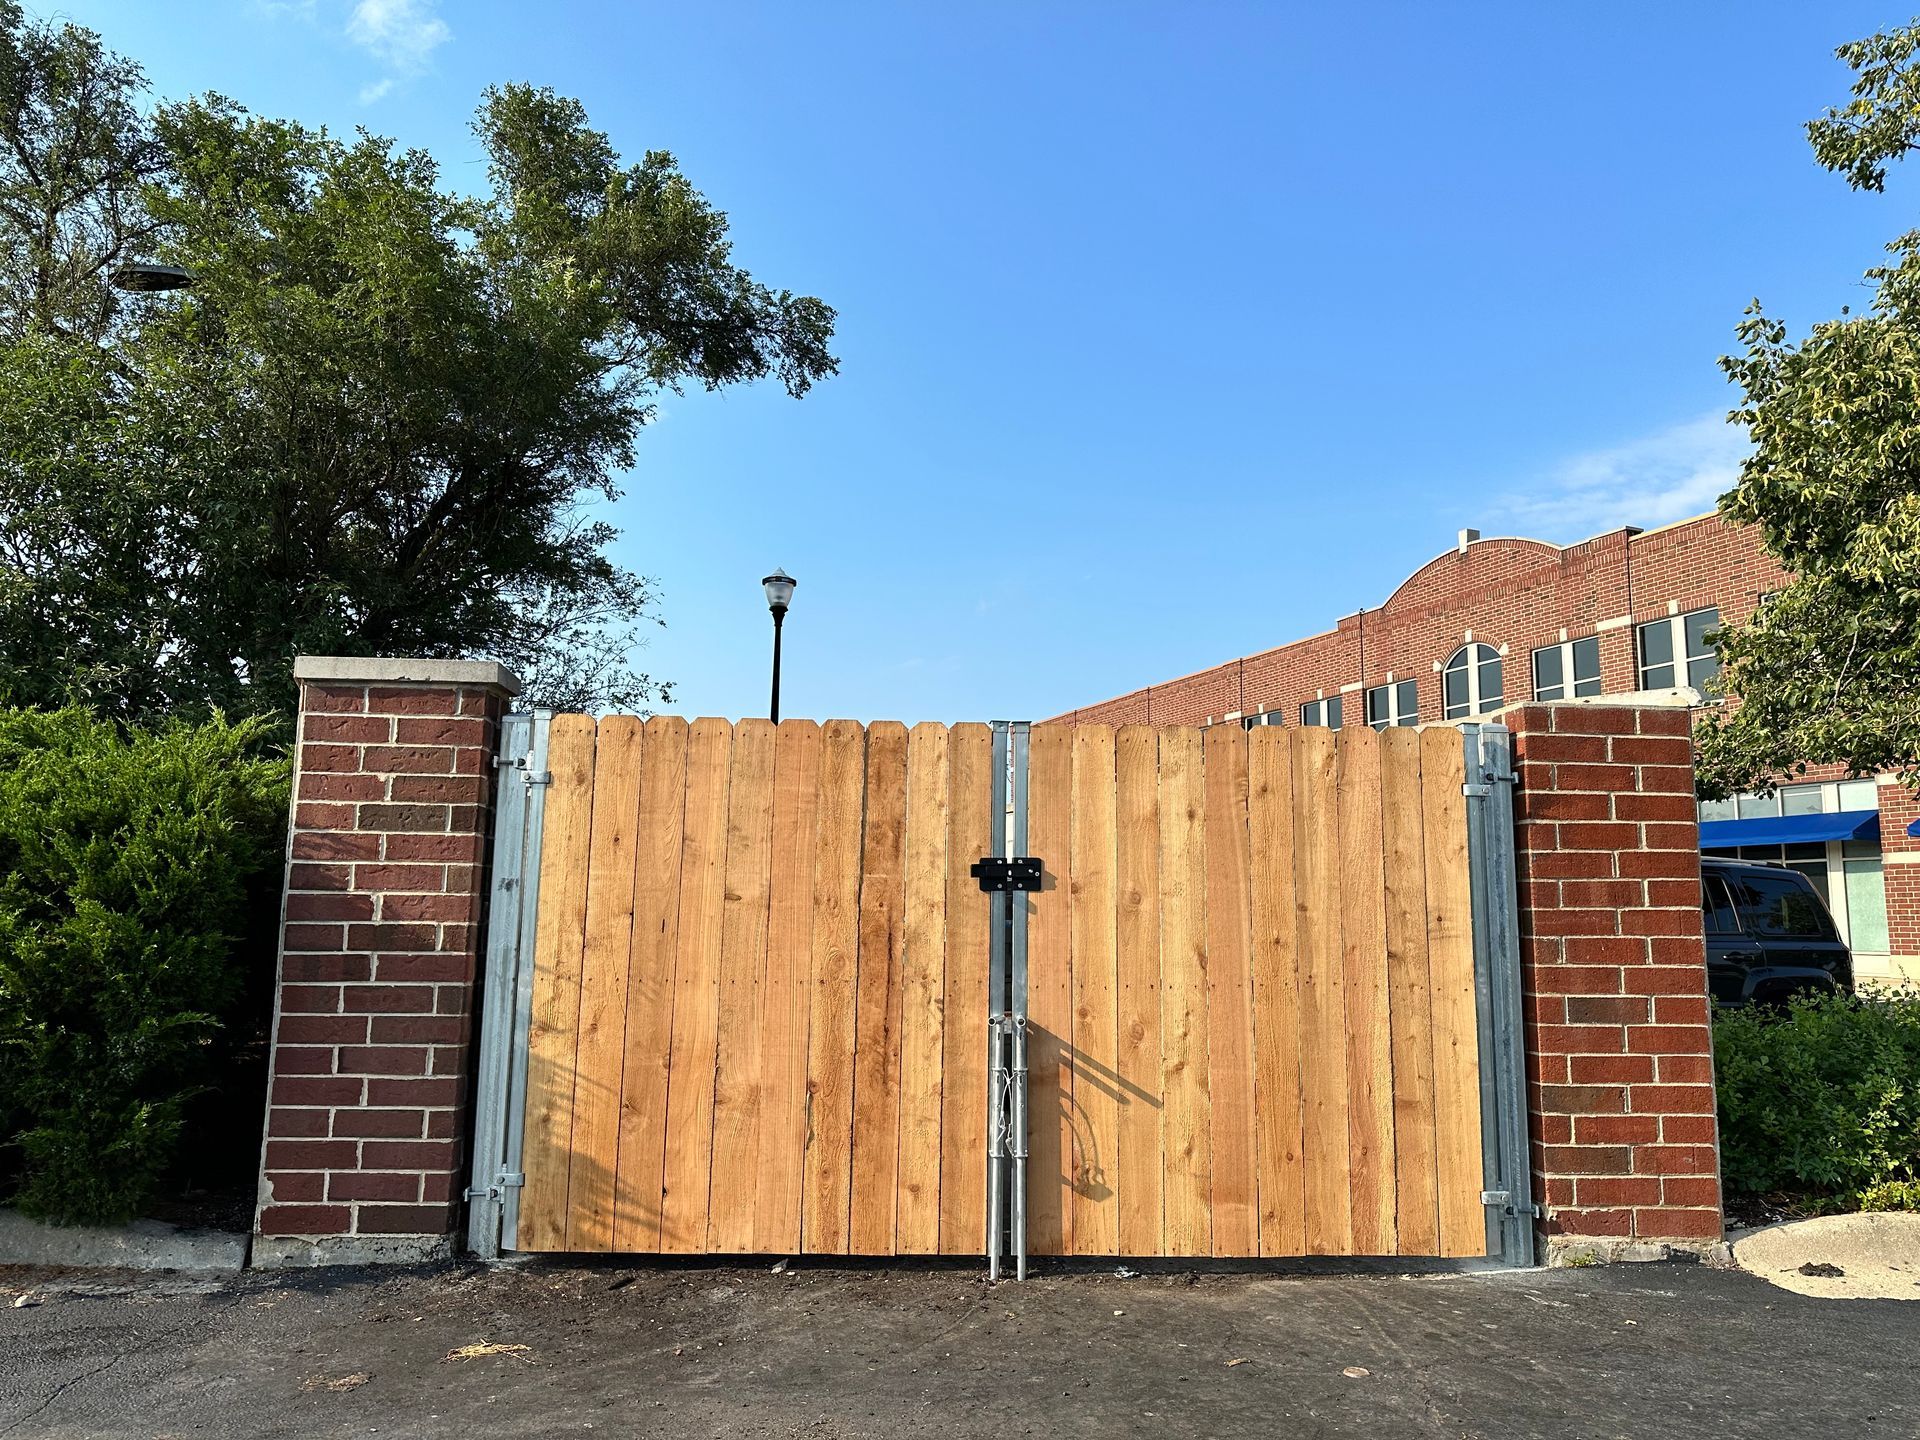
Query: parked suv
point(1768, 934)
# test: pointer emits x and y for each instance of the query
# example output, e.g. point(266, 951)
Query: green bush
point(1891, 1195)
point(1822, 1102)
point(126, 864)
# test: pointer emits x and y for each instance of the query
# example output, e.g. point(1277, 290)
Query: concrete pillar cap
point(383, 670)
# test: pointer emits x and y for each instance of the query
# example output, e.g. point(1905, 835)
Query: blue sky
point(1168, 332)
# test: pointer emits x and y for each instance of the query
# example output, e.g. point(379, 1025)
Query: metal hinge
point(1502, 1200)
point(523, 762)
point(503, 1182)
point(1484, 785)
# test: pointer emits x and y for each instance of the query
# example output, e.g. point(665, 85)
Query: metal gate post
point(998, 902)
point(1007, 1005)
point(1017, 1008)
point(1497, 989)
point(506, 992)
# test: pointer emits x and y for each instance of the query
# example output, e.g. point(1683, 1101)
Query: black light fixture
point(779, 587)
point(143, 278)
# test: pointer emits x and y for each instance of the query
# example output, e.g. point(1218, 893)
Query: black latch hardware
point(997, 873)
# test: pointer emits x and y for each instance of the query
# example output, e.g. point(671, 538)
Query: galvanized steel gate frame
point(500, 1088)
point(1007, 1015)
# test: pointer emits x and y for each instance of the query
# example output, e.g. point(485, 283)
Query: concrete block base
point(305, 1252)
point(1564, 1251)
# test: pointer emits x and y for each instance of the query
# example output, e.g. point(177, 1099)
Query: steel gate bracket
point(524, 763)
point(1490, 776)
point(1001, 873)
point(1503, 1202)
point(497, 1190)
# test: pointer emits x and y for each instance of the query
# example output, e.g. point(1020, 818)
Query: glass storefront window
point(1866, 904)
point(1810, 861)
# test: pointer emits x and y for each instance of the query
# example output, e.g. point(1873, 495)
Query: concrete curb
point(1874, 1255)
point(143, 1245)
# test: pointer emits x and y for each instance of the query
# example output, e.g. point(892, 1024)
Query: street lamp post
point(779, 588)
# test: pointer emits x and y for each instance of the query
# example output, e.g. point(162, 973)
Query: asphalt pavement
point(1664, 1350)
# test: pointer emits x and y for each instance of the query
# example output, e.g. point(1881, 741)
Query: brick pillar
point(1900, 870)
point(365, 1147)
point(1619, 1049)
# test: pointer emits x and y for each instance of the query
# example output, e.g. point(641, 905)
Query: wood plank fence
point(760, 989)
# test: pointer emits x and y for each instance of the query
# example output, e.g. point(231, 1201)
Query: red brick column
point(1619, 1049)
point(365, 1140)
point(1900, 870)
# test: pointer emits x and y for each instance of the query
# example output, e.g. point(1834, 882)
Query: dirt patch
point(935, 1353)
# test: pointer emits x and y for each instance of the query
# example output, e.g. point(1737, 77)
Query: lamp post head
point(779, 587)
point(142, 277)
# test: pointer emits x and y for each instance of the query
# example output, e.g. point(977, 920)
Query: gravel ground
point(1632, 1350)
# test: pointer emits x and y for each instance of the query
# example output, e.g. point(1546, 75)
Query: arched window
point(1471, 681)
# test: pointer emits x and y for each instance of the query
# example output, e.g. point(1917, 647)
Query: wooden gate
point(1253, 1028)
point(759, 1001)
point(757, 1011)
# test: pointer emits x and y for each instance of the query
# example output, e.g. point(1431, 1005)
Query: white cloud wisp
point(1666, 476)
point(401, 34)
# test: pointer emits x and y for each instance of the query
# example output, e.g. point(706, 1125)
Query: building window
point(1471, 681)
point(1865, 894)
point(1859, 795)
point(1394, 704)
point(1567, 670)
point(1674, 651)
point(1267, 717)
point(1322, 712)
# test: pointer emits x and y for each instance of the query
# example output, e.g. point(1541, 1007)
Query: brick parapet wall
point(1619, 1044)
point(1513, 594)
point(385, 890)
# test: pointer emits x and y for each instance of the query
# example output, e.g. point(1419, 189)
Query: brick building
point(1496, 622)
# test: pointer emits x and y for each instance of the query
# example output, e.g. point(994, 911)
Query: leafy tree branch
point(378, 419)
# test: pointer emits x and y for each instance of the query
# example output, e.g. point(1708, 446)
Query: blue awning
point(1790, 829)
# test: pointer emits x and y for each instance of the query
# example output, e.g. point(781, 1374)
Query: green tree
point(384, 420)
point(75, 156)
point(1828, 668)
